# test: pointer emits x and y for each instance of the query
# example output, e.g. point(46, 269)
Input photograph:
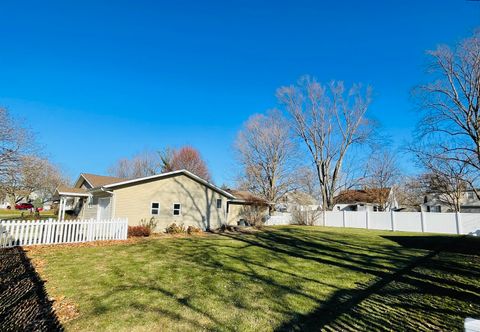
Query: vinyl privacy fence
point(35, 232)
point(431, 222)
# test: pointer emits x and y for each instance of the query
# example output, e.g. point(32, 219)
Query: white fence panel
point(470, 223)
point(407, 221)
point(334, 219)
point(281, 219)
point(448, 223)
point(380, 220)
point(356, 219)
point(440, 222)
point(24, 233)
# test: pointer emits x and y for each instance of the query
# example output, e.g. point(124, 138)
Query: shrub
point(138, 231)
point(175, 229)
point(151, 224)
point(193, 230)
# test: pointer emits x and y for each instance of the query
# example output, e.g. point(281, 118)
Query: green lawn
point(283, 278)
point(11, 214)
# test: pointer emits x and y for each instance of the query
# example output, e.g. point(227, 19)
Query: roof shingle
point(101, 180)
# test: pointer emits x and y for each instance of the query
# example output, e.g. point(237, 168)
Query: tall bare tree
point(15, 142)
point(382, 174)
point(265, 152)
point(143, 164)
point(450, 129)
point(410, 192)
point(447, 179)
point(329, 120)
point(33, 174)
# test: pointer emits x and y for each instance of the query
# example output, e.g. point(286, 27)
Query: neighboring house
point(178, 197)
point(297, 201)
point(20, 197)
point(437, 202)
point(373, 199)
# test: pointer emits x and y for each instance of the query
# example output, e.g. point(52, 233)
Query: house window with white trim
point(177, 209)
point(155, 209)
point(219, 203)
point(470, 195)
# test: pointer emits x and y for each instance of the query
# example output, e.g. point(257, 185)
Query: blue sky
point(100, 80)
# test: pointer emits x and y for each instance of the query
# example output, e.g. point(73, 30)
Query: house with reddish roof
point(179, 197)
point(371, 199)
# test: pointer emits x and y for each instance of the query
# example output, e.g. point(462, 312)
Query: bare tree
point(410, 192)
point(187, 158)
point(15, 142)
point(265, 152)
point(143, 164)
point(329, 120)
point(33, 174)
point(382, 173)
point(446, 179)
point(306, 180)
point(450, 129)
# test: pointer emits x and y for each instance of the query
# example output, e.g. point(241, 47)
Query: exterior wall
point(198, 203)
point(468, 203)
point(90, 211)
point(237, 211)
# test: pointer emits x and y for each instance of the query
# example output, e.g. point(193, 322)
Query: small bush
point(175, 229)
point(138, 231)
point(193, 230)
point(151, 224)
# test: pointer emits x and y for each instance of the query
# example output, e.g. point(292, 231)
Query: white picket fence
point(431, 222)
point(36, 232)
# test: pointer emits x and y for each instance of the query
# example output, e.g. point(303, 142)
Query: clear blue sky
point(101, 80)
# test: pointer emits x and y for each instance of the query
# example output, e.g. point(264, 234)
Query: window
point(155, 209)
point(91, 201)
point(434, 208)
point(470, 195)
point(177, 208)
point(219, 203)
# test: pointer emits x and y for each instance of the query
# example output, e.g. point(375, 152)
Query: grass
point(6, 214)
point(282, 278)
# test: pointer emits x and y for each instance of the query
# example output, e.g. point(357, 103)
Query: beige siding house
point(178, 197)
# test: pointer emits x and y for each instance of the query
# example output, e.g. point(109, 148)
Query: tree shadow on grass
point(274, 276)
point(433, 292)
point(24, 304)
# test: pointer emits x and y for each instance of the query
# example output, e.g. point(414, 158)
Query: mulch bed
point(24, 303)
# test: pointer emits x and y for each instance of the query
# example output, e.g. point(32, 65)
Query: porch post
point(60, 205)
point(63, 209)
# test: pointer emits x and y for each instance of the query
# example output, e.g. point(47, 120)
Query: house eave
point(169, 174)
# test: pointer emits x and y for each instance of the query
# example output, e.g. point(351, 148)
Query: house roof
point(299, 197)
point(100, 180)
point(246, 196)
point(372, 195)
point(194, 177)
point(69, 191)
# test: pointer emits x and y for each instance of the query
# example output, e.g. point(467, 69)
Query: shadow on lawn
point(409, 296)
point(24, 304)
point(419, 283)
